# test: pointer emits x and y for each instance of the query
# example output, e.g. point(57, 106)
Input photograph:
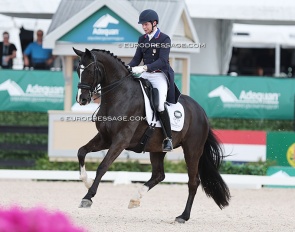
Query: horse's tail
point(211, 181)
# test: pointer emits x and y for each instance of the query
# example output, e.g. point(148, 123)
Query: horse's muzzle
point(83, 100)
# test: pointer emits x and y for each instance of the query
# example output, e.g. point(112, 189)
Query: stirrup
point(167, 145)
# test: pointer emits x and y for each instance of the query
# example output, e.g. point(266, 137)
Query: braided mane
point(116, 57)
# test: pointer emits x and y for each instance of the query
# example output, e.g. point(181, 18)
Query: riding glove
point(138, 69)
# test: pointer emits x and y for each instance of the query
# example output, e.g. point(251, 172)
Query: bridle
point(93, 88)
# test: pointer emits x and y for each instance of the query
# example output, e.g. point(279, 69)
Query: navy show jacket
point(155, 55)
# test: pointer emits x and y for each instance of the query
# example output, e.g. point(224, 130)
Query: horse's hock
point(69, 130)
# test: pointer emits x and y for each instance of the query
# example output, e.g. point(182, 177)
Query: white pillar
point(277, 60)
point(185, 76)
point(68, 73)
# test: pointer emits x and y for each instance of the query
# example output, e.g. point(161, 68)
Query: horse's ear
point(88, 53)
point(78, 52)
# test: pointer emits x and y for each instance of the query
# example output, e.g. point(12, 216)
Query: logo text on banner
point(247, 99)
point(38, 91)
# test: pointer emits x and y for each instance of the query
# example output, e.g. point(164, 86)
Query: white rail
point(235, 181)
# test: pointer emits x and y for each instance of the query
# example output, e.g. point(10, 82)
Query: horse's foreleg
point(158, 175)
point(94, 144)
point(111, 155)
point(84, 177)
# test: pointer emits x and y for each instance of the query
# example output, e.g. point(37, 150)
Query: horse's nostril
point(84, 101)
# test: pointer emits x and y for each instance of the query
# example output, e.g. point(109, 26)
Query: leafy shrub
point(258, 168)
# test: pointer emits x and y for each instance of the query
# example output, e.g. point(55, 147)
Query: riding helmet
point(148, 16)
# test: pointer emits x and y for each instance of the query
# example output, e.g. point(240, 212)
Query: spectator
point(7, 52)
point(40, 58)
point(259, 71)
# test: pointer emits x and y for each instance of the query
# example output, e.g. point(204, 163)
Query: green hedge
point(23, 118)
point(250, 124)
point(258, 168)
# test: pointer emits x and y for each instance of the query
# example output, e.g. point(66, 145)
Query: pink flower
point(35, 220)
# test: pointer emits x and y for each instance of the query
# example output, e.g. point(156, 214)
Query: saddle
point(153, 95)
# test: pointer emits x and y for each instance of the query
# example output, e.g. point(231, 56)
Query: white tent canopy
point(39, 9)
point(255, 12)
point(266, 11)
point(263, 36)
point(31, 15)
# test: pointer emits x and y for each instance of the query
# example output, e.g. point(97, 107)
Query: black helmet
point(148, 16)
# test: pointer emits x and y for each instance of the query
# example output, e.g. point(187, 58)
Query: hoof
point(85, 203)
point(133, 204)
point(180, 220)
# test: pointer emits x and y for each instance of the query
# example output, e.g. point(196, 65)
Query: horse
point(121, 96)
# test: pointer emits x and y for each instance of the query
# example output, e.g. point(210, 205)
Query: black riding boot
point(165, 123)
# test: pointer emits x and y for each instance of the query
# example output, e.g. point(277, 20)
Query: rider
point(154, 48)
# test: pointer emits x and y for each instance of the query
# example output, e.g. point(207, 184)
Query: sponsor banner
point(281, 148)
point(41, 91)
point(280, 171)
point(104, 26)
point(243, 145)
point(37, 91)
point(245, 97)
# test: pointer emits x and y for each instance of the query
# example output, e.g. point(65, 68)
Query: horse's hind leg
point(192, 156)
point(158, 175)
point(94, 144)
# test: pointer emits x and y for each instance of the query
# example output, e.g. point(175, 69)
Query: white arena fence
point(279, 179)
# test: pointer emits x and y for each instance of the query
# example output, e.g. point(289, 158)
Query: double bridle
point(93, 89)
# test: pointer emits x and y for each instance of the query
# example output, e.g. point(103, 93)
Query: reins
point(115, 84)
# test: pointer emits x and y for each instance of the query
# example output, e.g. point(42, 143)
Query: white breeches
point(158, 80)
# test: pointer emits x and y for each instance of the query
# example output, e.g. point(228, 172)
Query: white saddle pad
point(176, 113)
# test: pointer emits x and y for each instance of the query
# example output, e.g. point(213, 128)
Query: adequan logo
point(12, 88)
point(247, 99)
point(34, 93)
point(100, 27)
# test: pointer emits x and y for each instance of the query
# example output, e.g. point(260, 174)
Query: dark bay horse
point(121, 96)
